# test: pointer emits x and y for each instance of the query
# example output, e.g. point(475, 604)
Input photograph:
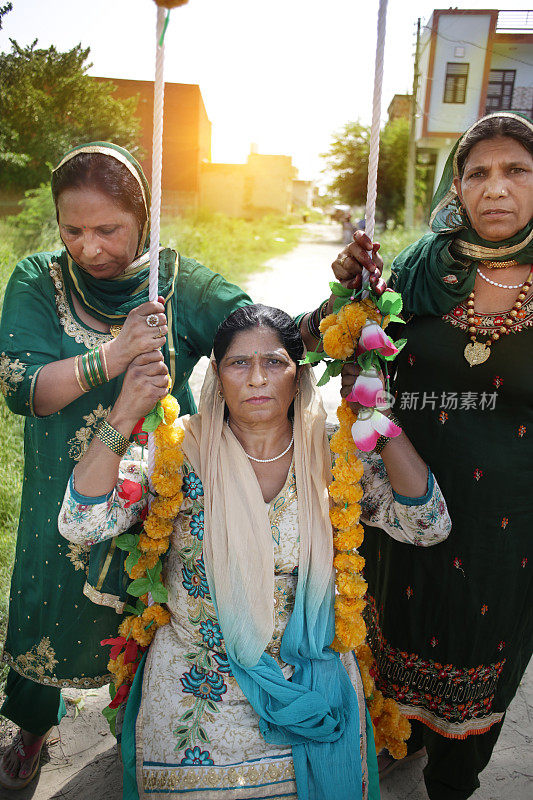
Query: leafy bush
point(35, 227)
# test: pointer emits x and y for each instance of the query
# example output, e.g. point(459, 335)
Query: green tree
point(48, 105)
point(347, 160)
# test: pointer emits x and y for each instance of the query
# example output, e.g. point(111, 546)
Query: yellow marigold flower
point(349, 562)
point(171, 407)
point(167, 436)
point(351, 584)
point(350, 634)
point(348, 470)
point(398, 750)
point(379, 741)
point(337, 344)
point(349, 539)
point(167, 508)
point(327, 322)
point(164, 483)
point(364, 655)
point(352, 317)
point(348, 608)
point(155, 546)
point(169, 460)
point(339, 646)
point(343, 492)
point(124, 628)
point(376, 704)
point(156, 527)
point(343, 518)
point(156, 613)
point(342, 443)
point(147, 561)
point(345, 415)
point(371, 310)
point(367, 679)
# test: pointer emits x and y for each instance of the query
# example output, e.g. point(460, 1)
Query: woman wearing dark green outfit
point(91, 295)
point(452, 629)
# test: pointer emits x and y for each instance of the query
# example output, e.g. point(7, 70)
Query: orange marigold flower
point(342, 442)
point(142, 636)
point(155, 612)
point(169, 459)
point(156, 527)
point(348, 470)
point(147, 561)
point(343, 492)
point(167, 507)
point(327, 322)
point(367, 679)
point(155, 546)
point(338, 344)
point(345, 414)
point(168, 437)
point(352, 317)
point(351, 584)
point(349, 539)
point(349, 562)
point(124, 628)
point(344, 518)
point(398, 750)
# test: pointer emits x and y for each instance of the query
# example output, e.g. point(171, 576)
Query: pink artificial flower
point(366, 388)
point(369, 426)
point(373, 337)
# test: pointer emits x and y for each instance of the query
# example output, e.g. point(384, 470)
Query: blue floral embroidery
point(211, 633)
point(192, 486)
point(194, 580)
point(197, 758)
point(206, 685)
point(223, 663)
point(197, 525)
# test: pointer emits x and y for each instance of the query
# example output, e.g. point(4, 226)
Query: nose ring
point(98, 251)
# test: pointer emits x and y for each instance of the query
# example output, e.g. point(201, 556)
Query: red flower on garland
point(140, 436)
point(121, 695)
point(131, 492)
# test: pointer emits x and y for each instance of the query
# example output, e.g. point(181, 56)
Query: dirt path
point(83, 765)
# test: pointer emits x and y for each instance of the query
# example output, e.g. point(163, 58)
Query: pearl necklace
point(501, 285)
point(478, 352)
point(268, 460)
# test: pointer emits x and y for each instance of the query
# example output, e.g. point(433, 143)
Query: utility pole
point(409, 219)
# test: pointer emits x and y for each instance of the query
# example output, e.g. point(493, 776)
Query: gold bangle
point(104, 362)
point(112, 438)
point(77, 374)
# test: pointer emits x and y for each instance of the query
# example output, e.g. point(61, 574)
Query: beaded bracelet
point(112, 438)
point(383, 440)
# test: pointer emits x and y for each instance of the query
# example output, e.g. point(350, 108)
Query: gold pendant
point(114, 330)
point(476, 353)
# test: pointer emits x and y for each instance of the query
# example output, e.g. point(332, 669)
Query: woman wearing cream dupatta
point(241, 696)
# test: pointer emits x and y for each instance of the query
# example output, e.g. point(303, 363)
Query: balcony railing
point(514, 22)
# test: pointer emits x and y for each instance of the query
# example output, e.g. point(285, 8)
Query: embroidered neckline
point(71, 326)
point(281, 502)
point(488, 322)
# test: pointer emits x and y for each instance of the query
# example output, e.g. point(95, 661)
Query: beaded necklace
point(477, 352)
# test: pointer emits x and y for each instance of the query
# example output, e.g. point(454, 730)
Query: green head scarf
point(438, 272)
point(112, 300)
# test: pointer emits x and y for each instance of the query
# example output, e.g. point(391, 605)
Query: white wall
point(513, 56)
point(456, 30)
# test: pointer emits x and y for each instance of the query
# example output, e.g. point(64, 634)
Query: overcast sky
point(284, 74)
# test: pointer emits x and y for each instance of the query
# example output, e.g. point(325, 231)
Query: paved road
point(84, 765)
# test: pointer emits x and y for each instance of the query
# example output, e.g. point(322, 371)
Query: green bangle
point(98, 362)
point(112, 438)
point(86, 370)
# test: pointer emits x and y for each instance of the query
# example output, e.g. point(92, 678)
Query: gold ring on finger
point(152, 320)
point(342, 259)
point(160, 331)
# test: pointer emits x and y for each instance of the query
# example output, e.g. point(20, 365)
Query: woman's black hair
point(106, 175)
point(248, 317)
point(490, 128)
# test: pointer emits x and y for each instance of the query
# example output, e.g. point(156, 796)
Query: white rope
point(155, 208)
point(373, 157)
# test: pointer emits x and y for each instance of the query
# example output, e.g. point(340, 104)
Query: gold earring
point(297, 392)
point(219, 394)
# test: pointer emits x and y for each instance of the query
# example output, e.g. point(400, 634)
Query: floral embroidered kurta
point(54, 629)
point(196, 733)
point(452, 627)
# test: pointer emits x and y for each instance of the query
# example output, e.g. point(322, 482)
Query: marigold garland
point(340, 333)
point(144, 561)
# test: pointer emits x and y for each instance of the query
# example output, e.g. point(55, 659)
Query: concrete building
point(303, 194)
point(186, 137)
point(472, 62)
point(264, 185)
point(399, 107)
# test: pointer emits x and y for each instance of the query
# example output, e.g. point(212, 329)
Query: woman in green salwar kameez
point(452, 629)
point(58, 305)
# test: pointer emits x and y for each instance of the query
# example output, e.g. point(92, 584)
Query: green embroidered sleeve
point(30, 334)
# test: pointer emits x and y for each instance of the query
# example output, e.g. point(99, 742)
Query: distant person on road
point(452, 627)
point(348, 228)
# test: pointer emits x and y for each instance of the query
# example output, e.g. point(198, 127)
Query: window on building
point(500, 90)
point(455, 84)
